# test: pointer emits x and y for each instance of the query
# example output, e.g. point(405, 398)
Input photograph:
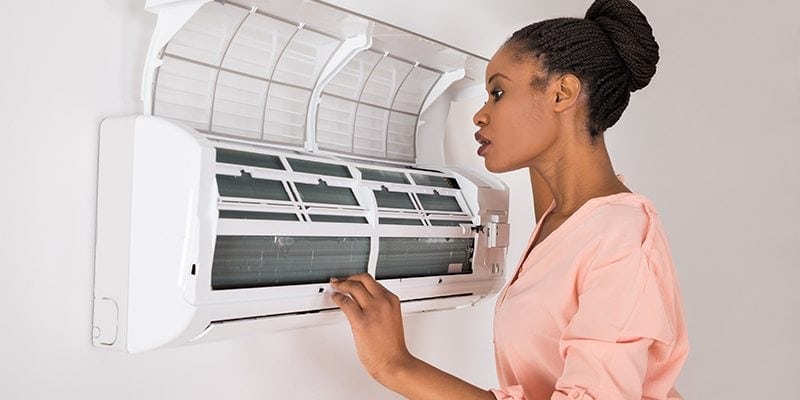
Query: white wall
point(712, 141)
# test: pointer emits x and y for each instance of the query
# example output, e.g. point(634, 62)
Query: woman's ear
point(568, 89)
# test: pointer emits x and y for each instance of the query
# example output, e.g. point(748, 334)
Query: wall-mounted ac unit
point(286, 145)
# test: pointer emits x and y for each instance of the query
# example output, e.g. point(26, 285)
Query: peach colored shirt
point(594, 310)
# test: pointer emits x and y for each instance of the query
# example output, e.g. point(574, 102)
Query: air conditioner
point(284, 144)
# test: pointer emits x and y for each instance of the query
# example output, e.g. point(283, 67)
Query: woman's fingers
point(353, 288)
point(366, 291)
point(349, 307)
point(376, 321)
point(373, 287)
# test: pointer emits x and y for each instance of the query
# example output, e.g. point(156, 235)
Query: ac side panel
point(113, 232)
point(166, 166)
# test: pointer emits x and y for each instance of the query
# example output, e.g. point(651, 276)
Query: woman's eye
point(496, 94)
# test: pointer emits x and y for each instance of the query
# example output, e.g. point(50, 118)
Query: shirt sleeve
point(511, 393)
point(516, 393)
point(607, 343)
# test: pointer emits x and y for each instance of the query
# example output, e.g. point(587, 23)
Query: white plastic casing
point(293, 81)
point(158, 206)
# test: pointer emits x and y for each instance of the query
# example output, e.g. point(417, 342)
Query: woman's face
point(517, 123)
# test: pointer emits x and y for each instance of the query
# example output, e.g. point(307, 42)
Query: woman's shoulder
point(623, 207)
point(624, 219)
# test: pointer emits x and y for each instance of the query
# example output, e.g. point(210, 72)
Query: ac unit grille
point(318, 168)
point(435, 181)
point(249, 159)
point(401, 257)
point(252, 188)
point(262, 261)
point(400, 221)
point(270, 186)
point(338, 218)
point(383, 176)
point(234, 214)
point(387, 199)
point(324, 194)
point(435, 202)
point(449, 222)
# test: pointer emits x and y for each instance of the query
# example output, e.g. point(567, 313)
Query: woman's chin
point(497, 168)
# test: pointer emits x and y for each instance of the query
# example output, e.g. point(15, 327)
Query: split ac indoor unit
point(286, 142)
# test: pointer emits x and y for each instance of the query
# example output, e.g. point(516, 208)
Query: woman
point(593, 311)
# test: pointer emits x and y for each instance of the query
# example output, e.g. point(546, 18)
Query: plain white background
point(712, 140)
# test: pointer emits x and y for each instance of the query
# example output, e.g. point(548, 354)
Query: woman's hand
point(376, 322)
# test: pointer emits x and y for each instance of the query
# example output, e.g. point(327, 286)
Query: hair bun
point(631, 34)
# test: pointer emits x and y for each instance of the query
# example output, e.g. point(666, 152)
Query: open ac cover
point(286, 145)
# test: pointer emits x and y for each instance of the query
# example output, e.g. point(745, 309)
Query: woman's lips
point(483, 142)
point(482, 149)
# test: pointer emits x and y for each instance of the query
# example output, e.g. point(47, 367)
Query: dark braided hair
point(612, 51)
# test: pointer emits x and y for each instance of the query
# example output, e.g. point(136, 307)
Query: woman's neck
point(583, 171)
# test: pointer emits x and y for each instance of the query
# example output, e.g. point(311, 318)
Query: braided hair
point(612, 51)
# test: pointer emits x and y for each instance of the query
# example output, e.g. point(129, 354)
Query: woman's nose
point(480, 119)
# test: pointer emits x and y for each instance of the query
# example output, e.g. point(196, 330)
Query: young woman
point(593, 311)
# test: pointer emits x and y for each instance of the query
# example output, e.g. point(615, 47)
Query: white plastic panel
point(304, 57)
point(257, 45)
point(184, 92)
point(207, 34)
point(218, 72)
point(412, 93)
point(331, 21)
point(409, 46)
point(238, 105)
point(281, 71)
point(382, 85)
point(350, 81)
point(369, 137)
point(400, 137)
point(474, 69)
point(285, 114)
point(387, 82)
point(335, 122)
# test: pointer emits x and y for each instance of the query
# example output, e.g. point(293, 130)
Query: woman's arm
point(377, 325)
point(419, 380)
point(542, 197)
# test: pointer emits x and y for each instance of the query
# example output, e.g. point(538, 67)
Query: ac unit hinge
point(104, 331)
point(497, 234)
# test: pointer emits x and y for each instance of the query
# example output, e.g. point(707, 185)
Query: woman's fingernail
point(334, 280)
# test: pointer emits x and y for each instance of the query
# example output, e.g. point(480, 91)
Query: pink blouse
point(594, 310)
